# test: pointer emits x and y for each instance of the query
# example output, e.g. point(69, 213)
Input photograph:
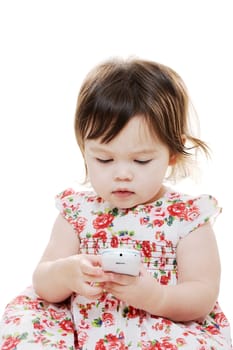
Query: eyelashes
point(105, 161)
point(142, 161)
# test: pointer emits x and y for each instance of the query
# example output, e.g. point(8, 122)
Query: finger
point(95, 259)
point(121, 279)
point(91, 267)
point(92, 289)
point(97, 296)
point(143, 271)
point(114, 287)
point(108, 286)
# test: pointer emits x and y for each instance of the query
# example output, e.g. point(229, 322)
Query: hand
point(135, 291)
point(84, 275)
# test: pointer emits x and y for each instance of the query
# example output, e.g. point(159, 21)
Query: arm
point(198, 285)
point(62, 270)
point(199, 277)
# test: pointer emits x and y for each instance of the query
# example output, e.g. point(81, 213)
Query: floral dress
point(155, 230)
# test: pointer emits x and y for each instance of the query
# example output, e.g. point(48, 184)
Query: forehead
point(137, 134)
point(139, 128)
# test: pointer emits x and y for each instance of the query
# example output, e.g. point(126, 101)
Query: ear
point(183, 138)
point(173, 159)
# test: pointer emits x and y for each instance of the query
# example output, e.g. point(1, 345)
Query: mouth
point(122, 193)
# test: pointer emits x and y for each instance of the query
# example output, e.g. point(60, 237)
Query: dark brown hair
point(117, 90)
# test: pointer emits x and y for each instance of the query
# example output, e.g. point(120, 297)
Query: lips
point(123, 192)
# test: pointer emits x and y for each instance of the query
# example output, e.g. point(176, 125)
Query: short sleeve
point(201, 210)
point(68, 203)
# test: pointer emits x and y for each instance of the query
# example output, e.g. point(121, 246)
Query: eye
point(142, 161)
point(104, 160)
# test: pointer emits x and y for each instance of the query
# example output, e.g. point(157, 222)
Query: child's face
point(130, 169)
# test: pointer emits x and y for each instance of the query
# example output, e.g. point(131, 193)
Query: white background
point(46, 49)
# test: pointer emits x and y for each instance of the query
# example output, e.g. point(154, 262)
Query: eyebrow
point(136, 152)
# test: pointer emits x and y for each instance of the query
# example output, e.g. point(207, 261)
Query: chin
point(125, 204)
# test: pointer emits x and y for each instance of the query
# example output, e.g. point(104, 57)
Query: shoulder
point(71, 195)
point(70, 201)
point(76, 206)
point(183, 200)
point(191, 211)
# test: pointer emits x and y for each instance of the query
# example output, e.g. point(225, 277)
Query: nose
point(123, 174)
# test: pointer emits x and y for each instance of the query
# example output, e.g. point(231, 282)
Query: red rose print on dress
point(114, 242)
point(80, 224)
point(177, 209)
point(221, 319)
point(102, 235)
point(57, 315)
point(82, 338)
point(165, 279)
point(108, 319)
point(111, 342)
point(111, 304)
point(10, 343)
point(67, 325)
point(184, 211)
point(103, 221)
point(67, 192)
point(146, 249)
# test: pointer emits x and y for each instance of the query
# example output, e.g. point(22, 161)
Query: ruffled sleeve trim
point(69, 202)
point(206, 210)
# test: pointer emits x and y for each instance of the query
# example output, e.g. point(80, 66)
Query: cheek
point(96, 175)
point(157, 173)
point(92, 169)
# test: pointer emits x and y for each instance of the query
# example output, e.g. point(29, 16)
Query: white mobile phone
point(121, 260)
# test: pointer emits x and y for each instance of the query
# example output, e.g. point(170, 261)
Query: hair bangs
point(111, 109)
